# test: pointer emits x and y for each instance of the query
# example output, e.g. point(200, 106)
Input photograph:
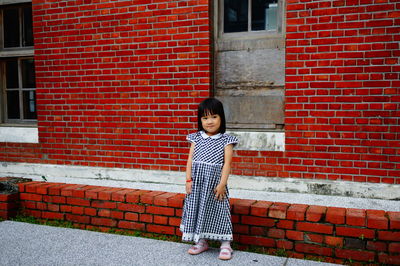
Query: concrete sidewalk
point(31, 244)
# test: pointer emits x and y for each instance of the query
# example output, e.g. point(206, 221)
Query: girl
point(206, 212)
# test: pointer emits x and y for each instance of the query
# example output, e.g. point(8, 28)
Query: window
point(250, 15)
point(17, 67)
point(249, 63)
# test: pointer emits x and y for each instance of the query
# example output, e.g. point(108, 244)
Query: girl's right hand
point(188, 187)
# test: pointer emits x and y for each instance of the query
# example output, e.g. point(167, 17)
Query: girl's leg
point(200, 247)
point(225, 250)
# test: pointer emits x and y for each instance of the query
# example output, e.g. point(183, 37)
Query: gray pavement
point(31, 244)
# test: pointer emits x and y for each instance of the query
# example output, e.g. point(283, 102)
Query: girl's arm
point(189, 170)
point(220, 190)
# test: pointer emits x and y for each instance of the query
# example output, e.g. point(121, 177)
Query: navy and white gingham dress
point(203, 215)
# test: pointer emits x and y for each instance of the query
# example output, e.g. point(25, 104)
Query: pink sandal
point(225, 253)
point(198, 248)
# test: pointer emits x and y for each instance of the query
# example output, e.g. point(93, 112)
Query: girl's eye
point(214, 116)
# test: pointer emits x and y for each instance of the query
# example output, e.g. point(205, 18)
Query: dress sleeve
point(231, 140)
point(192, 137)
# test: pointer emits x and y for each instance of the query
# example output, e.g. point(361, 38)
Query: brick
point(103, 222)
point(22, 186)
point(131, 207)
point(356, 217)
point(78, 201)
point(174, 221)
point(334, 241)
point(176, 201)
point(241, 229)
point(90, 211)
point(355, 254)
point(278, 210)
point(297, 212)
point(94, 192)
point(52, 215)
point(354, 243)
point(44, 189)
point(394, 219)
point(376, 219)
point(160, 229)
point(355, 232)
point(284, 244)
point(285, 224)
point(313, 238)
point(131, 225)
point(252, 220)
point(260, 208)
point(77, 210)
point(389, 235)
point(77, 218)
point(257, 230)
point(276, 233)
point(243, 206)
point(394, 247)
point(56, 190)
point(160, 219)
point(103, 204)
point(131, 216)
point(258, 241)
point(146, 218)
point(121, 194)
point(55, 199)
point(107, 193)
point(32, 187)
point(135, 196)
point(389, 259)
point(376, 246)
point(295, 235)
point(314, 227)
point(69, 190)
point(335, 215)
point(148, 198)
point(313, 249)
point(315, 213)
point(160, 210)
point(29, 196)
point(162, 199)
point(9, 197)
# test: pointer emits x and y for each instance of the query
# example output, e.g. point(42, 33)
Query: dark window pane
point(28, 73)
point(29, 102)
point(264, 15)
point(11, 27)
point(12, 74)
point(27, 27)
point(235, 15)
point(13, 105)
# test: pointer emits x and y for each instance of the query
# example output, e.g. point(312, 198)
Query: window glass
point(11, 27)
point(29, 103)
point(264, 15)
point(12, 74)
point(13, 104)
point(28, 73)
point(235, 15)
point(27, 29)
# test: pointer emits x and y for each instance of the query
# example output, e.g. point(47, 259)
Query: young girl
point(206, 212)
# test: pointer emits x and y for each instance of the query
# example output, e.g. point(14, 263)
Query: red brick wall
point(334, 234)
point(342, 90)
point(118, 84)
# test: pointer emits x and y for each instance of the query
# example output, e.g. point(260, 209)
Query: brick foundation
point(335, 234)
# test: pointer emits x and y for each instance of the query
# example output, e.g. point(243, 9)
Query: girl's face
point(211, 124)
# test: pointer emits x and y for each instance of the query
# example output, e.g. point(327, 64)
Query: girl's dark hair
point(211, 106)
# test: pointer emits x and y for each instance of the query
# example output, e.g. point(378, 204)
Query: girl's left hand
point(220, 192)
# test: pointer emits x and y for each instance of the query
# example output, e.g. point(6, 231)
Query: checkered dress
point(204, 216)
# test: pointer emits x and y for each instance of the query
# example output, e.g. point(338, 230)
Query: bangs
point(211, 106)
